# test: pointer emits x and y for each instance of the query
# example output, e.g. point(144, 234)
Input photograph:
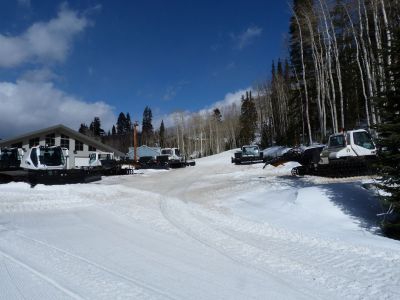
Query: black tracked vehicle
point(249, 154)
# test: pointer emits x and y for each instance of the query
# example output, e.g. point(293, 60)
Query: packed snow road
point(214, 231)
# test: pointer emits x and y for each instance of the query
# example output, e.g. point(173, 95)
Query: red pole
point(135, 140)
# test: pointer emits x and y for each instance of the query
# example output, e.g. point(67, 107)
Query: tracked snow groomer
point(10, 164)
point(44, 158)
point(106, 164)
point(247, 155)
point(48, 165)
point(10, 159)
point(350, 153)
point(174, 158)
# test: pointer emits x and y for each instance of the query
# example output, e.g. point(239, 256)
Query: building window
point(17, 145)
point(51, 139)
point(33, 142)
point(78, 145)
point(64, 141)
point(91, 148)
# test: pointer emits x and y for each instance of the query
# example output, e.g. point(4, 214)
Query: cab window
point(337, 141)
point(363, 139)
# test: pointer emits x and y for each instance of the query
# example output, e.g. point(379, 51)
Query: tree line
point(120, 136)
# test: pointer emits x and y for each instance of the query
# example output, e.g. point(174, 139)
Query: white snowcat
point(44, 158)
point(350, 153)
point(174, 158)
point(105, 162)
point(48, 165)
point(98, 159)
point(349, 145)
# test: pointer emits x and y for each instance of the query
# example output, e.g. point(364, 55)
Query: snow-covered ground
point(214, 231)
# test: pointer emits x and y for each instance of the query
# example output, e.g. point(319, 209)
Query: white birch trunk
point(366, 61)
point(360, 68)
point(304, 81)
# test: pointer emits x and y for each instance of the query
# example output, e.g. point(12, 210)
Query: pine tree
point(121, 123)
point(83, 129)
point(389, 140)
point(265, 135)
point(95, 127)
point(248, 120)
point(128, 123)
point(113, 130)
point(147, 126)
point(162, 134)
point(217, 115)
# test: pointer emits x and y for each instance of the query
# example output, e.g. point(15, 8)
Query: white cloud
point(229, 100)
point(43, 41)
point(30, 105)
point(246, 37)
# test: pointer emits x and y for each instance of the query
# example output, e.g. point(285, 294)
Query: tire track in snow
point(224, 244)
point(71, 267)
point(339, 271)
point(350, 271)
point(345, 271)
point(96, 265)
point(355, 270)
point(32, 270)
point(14, 284)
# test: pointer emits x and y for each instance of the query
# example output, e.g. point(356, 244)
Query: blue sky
point(103, 57)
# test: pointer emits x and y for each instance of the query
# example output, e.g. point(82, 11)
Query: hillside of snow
point(213, 231)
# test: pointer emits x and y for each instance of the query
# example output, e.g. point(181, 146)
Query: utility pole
point(201, 143)
point(136, 124)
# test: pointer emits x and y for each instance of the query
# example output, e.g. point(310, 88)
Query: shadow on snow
point(352, 199)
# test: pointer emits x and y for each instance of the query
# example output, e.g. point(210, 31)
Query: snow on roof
point(275, 151)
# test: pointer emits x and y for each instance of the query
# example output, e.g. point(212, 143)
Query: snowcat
point(48, 165)
point(153, 162)
point(10, 158)
point(247, 155)
point(350, 153)
point(44, 158)
point(174, 157)
point(105, 162)
point(10, 164)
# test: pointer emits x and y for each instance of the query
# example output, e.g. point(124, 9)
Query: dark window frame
point(17, 145)
point(80, 144)
point(64, 141)
point(34, 142)
point(50, 139)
